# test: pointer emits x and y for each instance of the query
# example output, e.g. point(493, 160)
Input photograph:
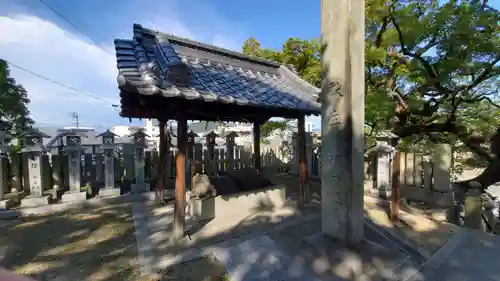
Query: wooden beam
point(180, 179)
point(139, 106)
point(256, 145)
point(302, 160)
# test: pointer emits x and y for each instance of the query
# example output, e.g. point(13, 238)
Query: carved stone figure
point(202, 187)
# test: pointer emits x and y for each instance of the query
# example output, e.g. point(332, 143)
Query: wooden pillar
point(256, 146)
point(191, 136)
point(161, 165)
point(180, 179)
point(301, 126)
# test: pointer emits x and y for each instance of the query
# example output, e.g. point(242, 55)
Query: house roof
point(158, 64)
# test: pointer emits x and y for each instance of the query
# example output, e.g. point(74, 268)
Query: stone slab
point(259, 259)
point(108, 192)
point(74, 196)
point(361, 261)
point(474, 256)
point(6, 204)
point(35, 201)
point(139, 187)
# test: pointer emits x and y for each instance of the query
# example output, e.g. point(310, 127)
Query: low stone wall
point(248, 202)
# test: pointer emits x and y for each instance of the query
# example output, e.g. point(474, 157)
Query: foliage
point(431, 67)
point(13, 102)
point(271, 126)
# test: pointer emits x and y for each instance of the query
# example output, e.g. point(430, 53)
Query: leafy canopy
point(13, 102)
point(432, 68)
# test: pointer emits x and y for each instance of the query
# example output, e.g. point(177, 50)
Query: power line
point(60, 84)
point(74, 26)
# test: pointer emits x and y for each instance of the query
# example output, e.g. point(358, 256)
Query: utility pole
point(342, 111)
point(76, 118)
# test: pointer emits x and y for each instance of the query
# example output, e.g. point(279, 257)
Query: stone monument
point(108, 150)
point(33, 148)
point(140, 185)
point(385, 153)
point(73, 149)
point(4, 149)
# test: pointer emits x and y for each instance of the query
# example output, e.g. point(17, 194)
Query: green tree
point(13, 102)
point(432, 72)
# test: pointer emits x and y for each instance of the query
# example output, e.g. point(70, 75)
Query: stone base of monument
point(74, 196)
point(109, 192)
point(362, 261)
point(32, 201)
point(139, 187)
point(6, 204)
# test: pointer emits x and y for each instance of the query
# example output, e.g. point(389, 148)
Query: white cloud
point(46, 49)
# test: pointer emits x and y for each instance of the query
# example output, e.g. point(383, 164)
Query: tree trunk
point(488, 177)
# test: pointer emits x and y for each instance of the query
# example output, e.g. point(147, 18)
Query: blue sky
point(35, 37)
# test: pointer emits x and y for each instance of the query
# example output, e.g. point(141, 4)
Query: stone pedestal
point(35, 201)
point(201, 209)
point(139, 185)
point(108, 192)
point(473, 208)
point(73, 196)
point(36, 197)
point(74, 160)
point(383, 182)
point(6, 204)
point(109, 176)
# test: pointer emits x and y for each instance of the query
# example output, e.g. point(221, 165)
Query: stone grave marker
point(108, 149)
point(74, 150)
point(33, 141)
point(4, 149)
point(140, 185)
point(385, 152)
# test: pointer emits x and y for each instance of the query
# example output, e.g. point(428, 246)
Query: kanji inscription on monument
point(109, 170)
point(35, 175)
point(74, 171)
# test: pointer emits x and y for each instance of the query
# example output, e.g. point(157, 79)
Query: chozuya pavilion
point(166, 77)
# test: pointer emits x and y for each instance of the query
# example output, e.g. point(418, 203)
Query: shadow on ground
point(406, 245)
point(89, 244)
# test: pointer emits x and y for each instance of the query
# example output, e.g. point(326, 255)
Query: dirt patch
point(417, 229)
point(90, 244)
point(423, 229)
point(206, 268)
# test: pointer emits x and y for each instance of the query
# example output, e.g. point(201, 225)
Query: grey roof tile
point(158, 63)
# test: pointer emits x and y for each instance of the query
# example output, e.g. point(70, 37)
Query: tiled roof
point(158, 63)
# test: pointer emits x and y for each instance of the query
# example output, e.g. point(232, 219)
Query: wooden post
point(161, 165)
point(302, 160)
point(191, 137)
point(230, 142)
point(256, 146)
point(342, 119)
point(395, 191)
point(180, 179)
